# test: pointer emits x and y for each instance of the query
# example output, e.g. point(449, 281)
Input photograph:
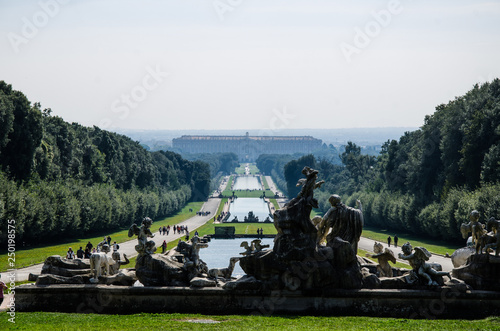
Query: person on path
point(2, 287)
point(109, 241)
point(396, 240)
point(79, 253)
point(86, 254)
point(89, 246)
point(174, 229)
point(168, 229)
point(115, 247)
point(164, 230)
point(159, 230)
point(389, 241)
point(70, 254)
point(164, 247)
point(187, 235)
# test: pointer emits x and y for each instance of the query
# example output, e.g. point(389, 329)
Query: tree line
point(60, 179)
point(431, 179)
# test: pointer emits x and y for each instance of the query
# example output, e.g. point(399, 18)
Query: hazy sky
point(247, 64)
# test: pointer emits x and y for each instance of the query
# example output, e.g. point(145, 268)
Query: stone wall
point(439, 303)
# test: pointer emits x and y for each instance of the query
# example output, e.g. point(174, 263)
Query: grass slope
point(27, 257)
point(74, 322)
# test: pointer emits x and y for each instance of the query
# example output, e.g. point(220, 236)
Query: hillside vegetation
point(59, 180)
point(430, 180)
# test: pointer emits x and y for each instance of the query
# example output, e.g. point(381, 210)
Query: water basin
point(241, 206)
point(247, 183)
point(219, 251)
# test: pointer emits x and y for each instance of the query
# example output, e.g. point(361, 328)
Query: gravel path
point(274, 189)
point(367, 245)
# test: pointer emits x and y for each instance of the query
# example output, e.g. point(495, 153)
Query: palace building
point(248, 148)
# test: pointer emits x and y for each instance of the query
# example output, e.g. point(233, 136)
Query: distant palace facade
point(248, 148)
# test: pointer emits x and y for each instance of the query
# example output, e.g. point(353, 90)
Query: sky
point(261, 65)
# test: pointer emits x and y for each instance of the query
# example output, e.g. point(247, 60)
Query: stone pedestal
point(481, 271)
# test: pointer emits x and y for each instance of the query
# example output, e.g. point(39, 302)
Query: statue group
point(321, 253)
point(474, 264)
point(308, 254)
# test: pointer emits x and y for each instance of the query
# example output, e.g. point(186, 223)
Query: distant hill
point(60, 180)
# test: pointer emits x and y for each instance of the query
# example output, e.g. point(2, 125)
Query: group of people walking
point(165, 230)
point(90, 249)
point(395, 241)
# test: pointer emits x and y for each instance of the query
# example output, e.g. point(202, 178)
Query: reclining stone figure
point(224, 272)
point(419, 265)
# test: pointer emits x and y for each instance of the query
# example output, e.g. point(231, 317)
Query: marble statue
point(384, 269)
point(419, 265)
point(460, 256)
point(308, 185)
point(224, 272)
point(476, 228)
point(481, 271)
point(143, 233)
point(115, 268)
point(100, 263)
point(191, 251)
point(103, 247)
point(297, 260)
point(490, 240)
point(257, 245)
point(484, 239)
point(248, 248)
point(345, 222)
point(251, 218)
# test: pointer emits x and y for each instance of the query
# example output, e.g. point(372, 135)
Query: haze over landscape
point(247, 65)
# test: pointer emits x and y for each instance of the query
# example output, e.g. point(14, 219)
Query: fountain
point(312, 267)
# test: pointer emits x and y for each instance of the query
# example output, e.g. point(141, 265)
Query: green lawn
point(315, 212)
point(250, 228)
point(275, 204)
point(245, 193)
point(27, 257)
point(221, 206)
point(264, 182)
point(229, 182)
point(240, 228)
point(73, 322)
point(432, 245)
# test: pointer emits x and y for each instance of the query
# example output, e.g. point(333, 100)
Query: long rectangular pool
point(247, 183)
point(241, 206)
